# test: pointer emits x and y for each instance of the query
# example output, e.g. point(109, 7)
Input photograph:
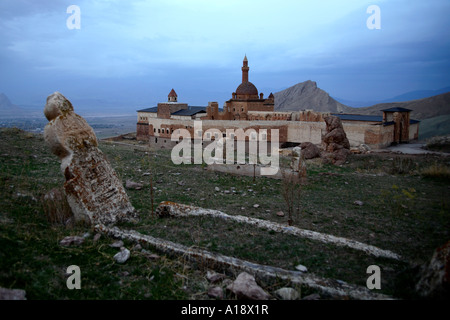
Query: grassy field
point(405, 209)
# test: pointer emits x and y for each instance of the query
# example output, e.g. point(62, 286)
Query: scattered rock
point(217, 189)
point(133, 185)
point(313, 296)
point(117, 244)
point(245, 287)
point(150, 255)
point(358, 203)
point(26, 196)
point(71, 241)
point(12, 294)
point(97, 237)
point(215, 293)
point(214, 277)
point(364, 148)
point(256, 206)
point(301, 268)
point(280, 213)
point(94, 192)
point(434, 280)
point(137, 247)
point(287, 294)
point(122, 256)
point(153, 256)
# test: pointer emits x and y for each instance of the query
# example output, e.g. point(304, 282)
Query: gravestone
point(94, 191)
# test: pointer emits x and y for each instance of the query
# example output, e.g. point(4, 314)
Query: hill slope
point(436, 126)
point(408, 96)
point(421, 109)
point(8, 109)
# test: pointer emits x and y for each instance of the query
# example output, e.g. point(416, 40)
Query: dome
point(246, 88)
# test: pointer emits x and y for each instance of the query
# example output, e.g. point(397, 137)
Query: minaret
point(245, 69)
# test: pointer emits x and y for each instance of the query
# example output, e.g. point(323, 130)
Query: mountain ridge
point(307, 95)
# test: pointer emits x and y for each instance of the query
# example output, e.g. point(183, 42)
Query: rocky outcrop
point(94, 192)
point(335, 143)
point(435, 277)
point(306, 95)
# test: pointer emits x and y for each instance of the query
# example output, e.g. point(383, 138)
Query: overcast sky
point(134, 52)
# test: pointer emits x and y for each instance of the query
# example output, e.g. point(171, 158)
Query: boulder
point(310, 150)
point(94, 192)
point(245, 287)
point(434, 281)
point(215, 293)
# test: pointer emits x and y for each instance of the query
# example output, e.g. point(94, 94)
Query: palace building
point(248, 109)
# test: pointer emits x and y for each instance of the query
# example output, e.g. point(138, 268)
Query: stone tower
point(173, 96)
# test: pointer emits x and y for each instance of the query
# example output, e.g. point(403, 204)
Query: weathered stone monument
point(94, 192)
point(298, 164)
point(335, 142)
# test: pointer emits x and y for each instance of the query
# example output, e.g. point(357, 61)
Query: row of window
point(163, 130)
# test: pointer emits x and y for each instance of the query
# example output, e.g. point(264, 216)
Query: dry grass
point(56, 207)
point(437, 171)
